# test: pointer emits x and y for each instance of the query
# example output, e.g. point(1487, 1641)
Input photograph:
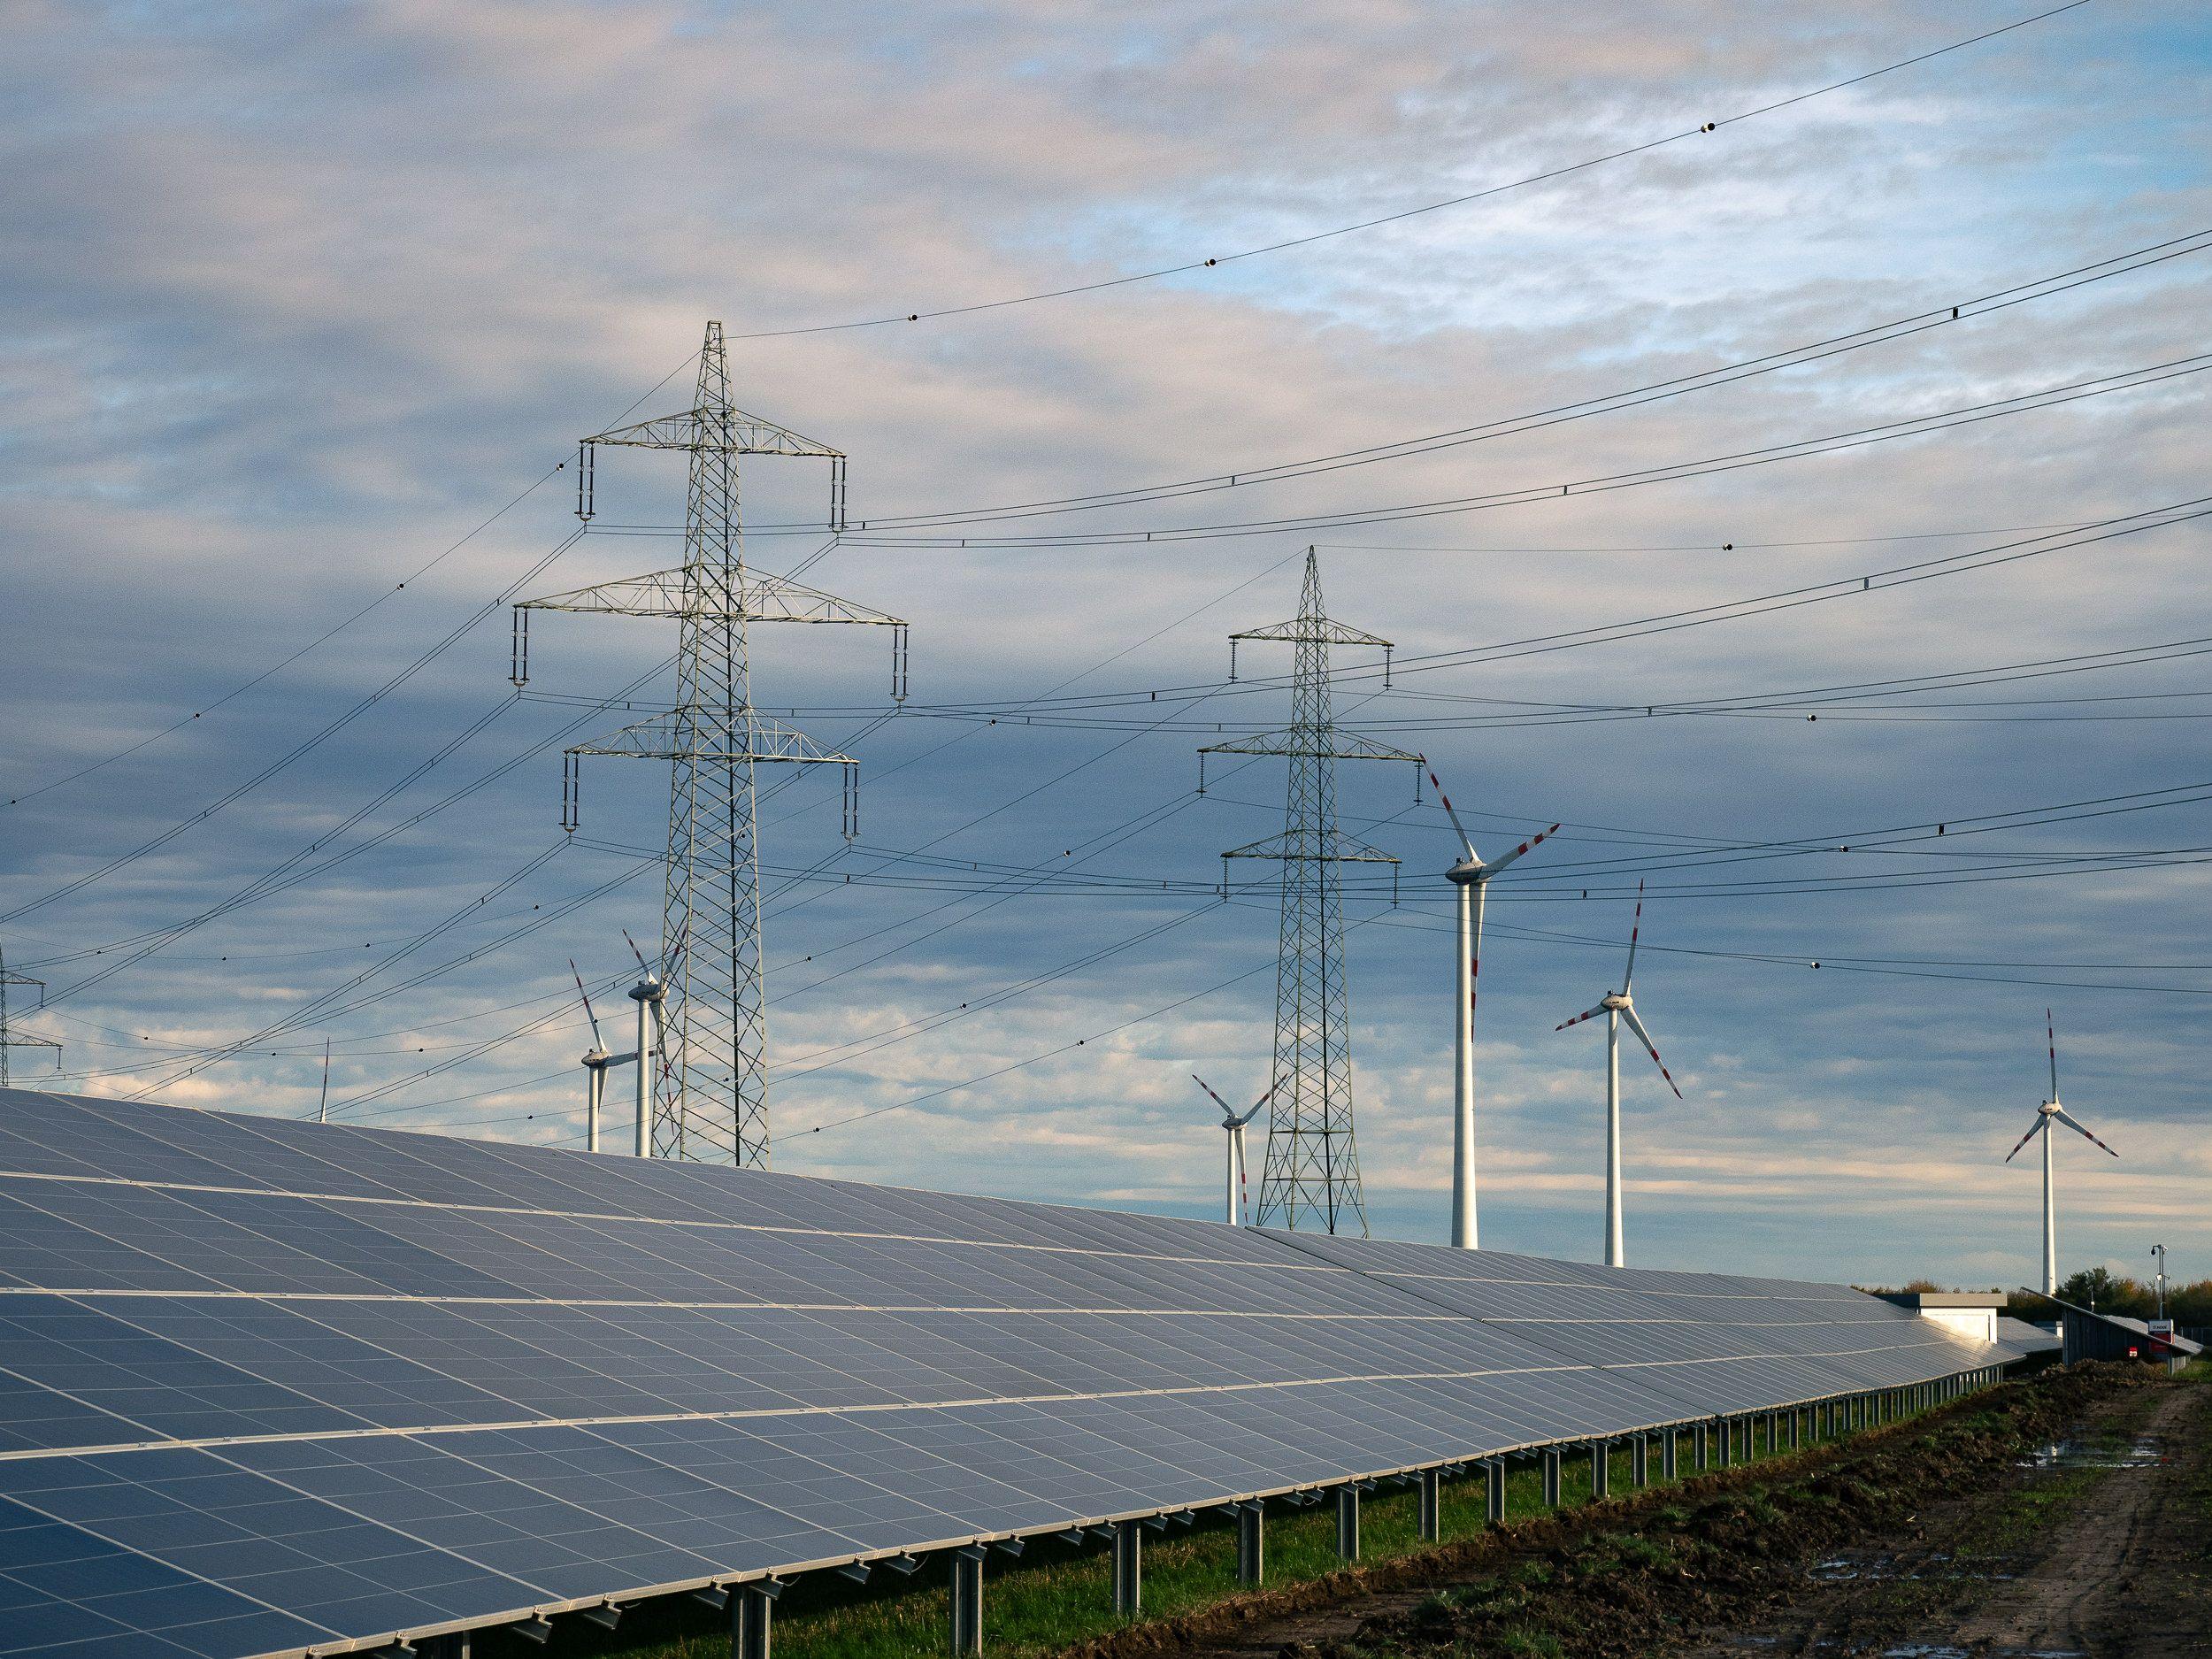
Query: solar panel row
point(268, 1387)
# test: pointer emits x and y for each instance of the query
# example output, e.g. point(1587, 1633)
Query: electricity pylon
point(11, 1038)
point(1312, 1169)
point(710, 1102)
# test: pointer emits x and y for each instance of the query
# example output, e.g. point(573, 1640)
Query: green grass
point(1055, 1595)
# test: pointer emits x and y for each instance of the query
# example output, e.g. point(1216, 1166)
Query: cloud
point(296, 298)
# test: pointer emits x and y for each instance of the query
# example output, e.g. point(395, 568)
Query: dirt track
point(2117, 1566)
point(1925, 1542)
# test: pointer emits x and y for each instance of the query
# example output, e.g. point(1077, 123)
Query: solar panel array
point(268, 1386)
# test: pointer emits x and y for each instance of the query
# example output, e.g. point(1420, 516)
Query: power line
point(2052, 396)
point(1200, 263)
point(1941, 315)
point(359, 707)
point(414, 575)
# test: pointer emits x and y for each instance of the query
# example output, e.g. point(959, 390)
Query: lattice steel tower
point(1311, 1175)
point(710, 1100)
point(14, 1037)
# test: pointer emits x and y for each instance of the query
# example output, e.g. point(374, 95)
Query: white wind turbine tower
point(1618, 1006)
point(597, 1063)
point(2044, 1114)
point(1471, 877)
point(1232, 1197)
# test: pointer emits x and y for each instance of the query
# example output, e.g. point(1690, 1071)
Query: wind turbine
point(649, 993)
point(322, 1106)
point(1471, 877)
point(596, 1062)
point(1618, 1006)
point(1232, 1197)
point(2044, 1114)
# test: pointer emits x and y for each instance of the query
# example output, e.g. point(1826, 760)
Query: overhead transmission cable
point(1941, 315)
point(2051, 396)
point(326, 637)
point(1200, 263)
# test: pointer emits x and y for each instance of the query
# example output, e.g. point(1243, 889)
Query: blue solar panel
point(267, 1385)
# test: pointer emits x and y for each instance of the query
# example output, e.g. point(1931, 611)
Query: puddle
point(1852, 1568)
point(2142, 1452)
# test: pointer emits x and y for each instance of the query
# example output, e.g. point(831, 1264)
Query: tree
point(2098, 1287)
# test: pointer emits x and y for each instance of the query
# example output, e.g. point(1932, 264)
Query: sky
point(304, 309)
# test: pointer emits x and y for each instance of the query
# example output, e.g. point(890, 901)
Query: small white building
point(1971, 1313)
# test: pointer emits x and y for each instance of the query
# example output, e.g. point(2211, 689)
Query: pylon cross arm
point(665, 737)
point(727, 431)
point(1331, 744)
point(1299, 847)
point(1313, 631)
point(757, 599)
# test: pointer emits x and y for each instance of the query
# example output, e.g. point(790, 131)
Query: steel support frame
point(1128, 1568)
point(1251, 1543)
point(1347, 1522)
point(751, 1619)
point(1493, 1490)
point(1551, 1477)
point(967, 1600)
point(1432, 1505)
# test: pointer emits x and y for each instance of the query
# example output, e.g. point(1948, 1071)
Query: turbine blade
point(2068, 1120)
point(2025, 1139)
point(1457, 828)
point(1257, 1105)
point(2050, 1030)
point(1644, 1037)
point(1587, 1013)
point(1217, 1101)
point(1634, 928)
point(634, 951)
point(589, 1015)
point(1529, 845)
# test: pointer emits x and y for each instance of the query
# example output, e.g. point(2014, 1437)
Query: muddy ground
point(2068, 1515)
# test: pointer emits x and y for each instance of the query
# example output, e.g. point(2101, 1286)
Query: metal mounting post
point(1701, 1450)
point(967, 1601)
point(1600, 1468)
point(1639, 1462)
point(1128, 1568)
point(1251, 1543)
point(1347, 1522)
point(1432, 1505)
point(1551, 1477)
point(1493, 1490)
point(751, 1607)
point(1724, 1441)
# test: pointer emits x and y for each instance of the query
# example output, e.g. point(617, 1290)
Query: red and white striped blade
point(1216, 1099)
point(1532, 842)
point(1458, 829)
point(1587, 1013)
point(2050, 1030)
point(2068, 1120)
point(2025, 1139)
point(1634, 928)
point(1644, 1037)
